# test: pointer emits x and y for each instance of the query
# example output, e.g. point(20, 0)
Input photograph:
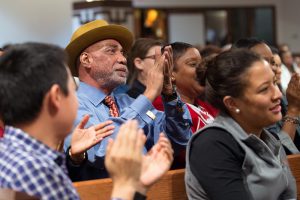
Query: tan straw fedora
point(93, 32)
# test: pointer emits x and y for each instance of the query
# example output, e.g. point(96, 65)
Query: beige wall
point(35, 20)
point(50, 20)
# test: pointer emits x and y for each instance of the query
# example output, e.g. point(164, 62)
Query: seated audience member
point(96, 53)
point(277, 65)
point(41, 113)
point(37, 116)
point(289, 67)
point(283, 47)
point(287, 129)
point(140, 61)
point(297, 61)
point(235, 157)
point(186, 60)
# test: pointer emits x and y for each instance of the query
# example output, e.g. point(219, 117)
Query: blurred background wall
point(53, 21)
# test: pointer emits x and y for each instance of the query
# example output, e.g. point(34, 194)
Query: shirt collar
point(95, 95)
point(19, 138)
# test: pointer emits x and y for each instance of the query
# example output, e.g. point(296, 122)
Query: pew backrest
point(294, 162)
point(171, 186)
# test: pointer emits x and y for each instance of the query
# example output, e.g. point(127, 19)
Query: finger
point(103, 124)
point(170, 58)
point(164, 141)
point(125, 136)
point(108, 153)
point(105, 129)
point(166, 148)
point(99, 137)
point(109, 146)
point(157, 55)
point(131, 138)
point(159, 62)
point(140, 141)
point(118, 140)
point(83, 122)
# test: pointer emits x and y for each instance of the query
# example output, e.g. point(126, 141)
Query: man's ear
point(54, 98)
point(85, 59)
point(230, 103)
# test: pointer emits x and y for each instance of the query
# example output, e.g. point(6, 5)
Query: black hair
point(274, 50)
point(224, 75)
point(27, 72)
point(210, 50)
point(247, 43)
point(179, 48)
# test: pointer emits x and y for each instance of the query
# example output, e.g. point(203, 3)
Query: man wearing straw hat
point(96, 56)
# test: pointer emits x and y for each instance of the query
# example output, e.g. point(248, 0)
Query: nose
point(121, 58)
point(277, 95)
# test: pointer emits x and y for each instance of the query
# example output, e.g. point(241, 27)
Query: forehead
point(262, 50)
point(258, 73)
point(277, 58)
point(106, 43)
point(287, 54)
point(191, 53)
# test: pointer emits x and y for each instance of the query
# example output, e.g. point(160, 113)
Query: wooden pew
point(7, 194)
point(171, 186)
point(294, 162)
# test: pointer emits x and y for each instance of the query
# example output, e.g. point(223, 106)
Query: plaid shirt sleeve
point(42, 181)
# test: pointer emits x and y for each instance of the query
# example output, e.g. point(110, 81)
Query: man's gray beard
point(107, 82)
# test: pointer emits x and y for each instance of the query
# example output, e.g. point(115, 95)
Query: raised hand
point(83, 139)
point(123, 160)
point(157, 162)
point(168, 70)
point(293, 98)
point(155, 77)
point(293, 95)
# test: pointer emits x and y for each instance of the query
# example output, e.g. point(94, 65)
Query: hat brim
point(116, 32)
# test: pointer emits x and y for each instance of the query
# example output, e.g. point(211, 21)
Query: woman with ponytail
point(235, 157)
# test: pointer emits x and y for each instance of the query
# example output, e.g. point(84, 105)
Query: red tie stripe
point(113, 109)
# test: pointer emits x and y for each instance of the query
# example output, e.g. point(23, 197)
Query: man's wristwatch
point(78, 160)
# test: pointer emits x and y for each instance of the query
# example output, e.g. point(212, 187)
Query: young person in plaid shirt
point(38, 106)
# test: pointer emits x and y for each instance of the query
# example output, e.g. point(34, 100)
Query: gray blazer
point(265, 168)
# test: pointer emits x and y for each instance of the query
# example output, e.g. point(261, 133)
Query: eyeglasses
point(149, 57)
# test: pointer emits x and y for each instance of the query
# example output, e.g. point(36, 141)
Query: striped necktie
point(113, 109)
